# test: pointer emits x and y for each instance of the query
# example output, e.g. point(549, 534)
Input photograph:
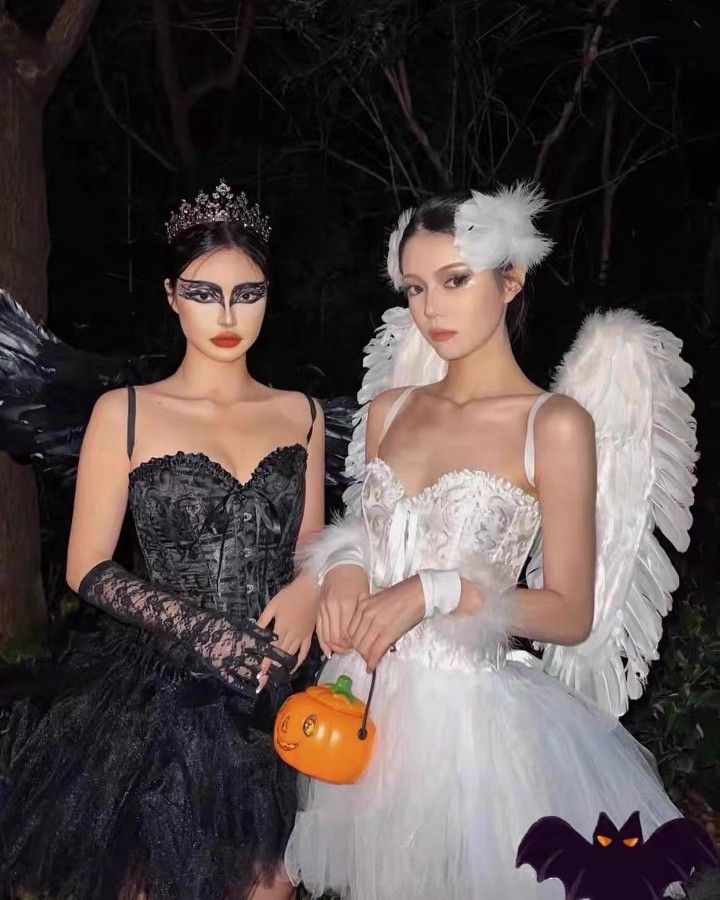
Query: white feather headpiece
point(393, 256)
point(496, 230)
point(491, 231)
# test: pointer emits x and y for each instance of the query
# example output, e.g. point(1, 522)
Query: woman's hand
point(340, 592)
point(293, 611)
point(384, 618)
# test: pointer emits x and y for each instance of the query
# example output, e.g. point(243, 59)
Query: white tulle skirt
point(463, 764)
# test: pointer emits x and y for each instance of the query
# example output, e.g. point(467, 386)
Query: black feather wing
point(676, 848)
point(555, 850)
point(48, 389)
point(339, 412)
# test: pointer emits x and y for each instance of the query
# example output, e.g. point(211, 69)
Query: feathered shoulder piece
point(629, 375)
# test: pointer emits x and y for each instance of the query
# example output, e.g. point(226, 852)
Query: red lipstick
point(439, 335)
point(226, 339)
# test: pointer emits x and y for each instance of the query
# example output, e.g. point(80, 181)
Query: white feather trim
point(628, 374)
point(393, 254)
point(496, 230)
point(466, 640)
point(484, 633)
point(344, 533)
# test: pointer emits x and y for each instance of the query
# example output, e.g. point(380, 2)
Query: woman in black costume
point(151, 773)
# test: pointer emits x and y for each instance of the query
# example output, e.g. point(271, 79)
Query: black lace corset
point(215, 541)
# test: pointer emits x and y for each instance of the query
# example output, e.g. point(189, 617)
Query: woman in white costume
point(465, 471)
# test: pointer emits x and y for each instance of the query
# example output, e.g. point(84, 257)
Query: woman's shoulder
point(112, 405)
point(295, 404)
point(380, 405)
point(108, 423)
point(561, 418)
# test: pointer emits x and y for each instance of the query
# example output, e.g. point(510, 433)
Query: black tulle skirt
point(121, 772)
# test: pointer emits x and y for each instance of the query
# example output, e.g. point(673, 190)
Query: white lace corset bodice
point(466, 515)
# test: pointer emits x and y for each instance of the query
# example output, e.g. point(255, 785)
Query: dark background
point(336, 115)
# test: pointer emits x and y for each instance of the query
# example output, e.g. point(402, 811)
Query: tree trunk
point(25, 241)
point(23, 260)
point(29, 69)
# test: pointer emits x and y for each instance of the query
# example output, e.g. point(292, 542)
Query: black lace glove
point(233, 651)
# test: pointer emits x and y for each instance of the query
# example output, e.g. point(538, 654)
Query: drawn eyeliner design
point(249, 293)
point(200, 291)
point(207, 292)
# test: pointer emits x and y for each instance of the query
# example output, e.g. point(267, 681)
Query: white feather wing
point(396, 356)
point(628, 374)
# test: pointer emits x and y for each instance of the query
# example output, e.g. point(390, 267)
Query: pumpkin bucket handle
point(362, 733)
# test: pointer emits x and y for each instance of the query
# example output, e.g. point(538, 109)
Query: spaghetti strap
point(394, 410)
point(132, 405)
point(530, 438)
point(313, 415)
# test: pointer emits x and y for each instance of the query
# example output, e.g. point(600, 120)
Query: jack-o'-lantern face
point(282, 728)
point(318, 732)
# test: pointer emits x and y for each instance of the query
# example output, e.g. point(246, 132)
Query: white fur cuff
point(344, 541)
point(484, 634)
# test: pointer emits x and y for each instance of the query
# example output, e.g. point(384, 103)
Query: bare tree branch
point(170, 77)
point(182, 100)
point(65, 36)
point(610, 188)
point(112, 112)
point(225, 79)
point(38, 62)
point(399, 83)
point(664, 148)
point(590, 54)
point(20, 54)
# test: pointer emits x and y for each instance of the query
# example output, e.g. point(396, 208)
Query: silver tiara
point(221, 206)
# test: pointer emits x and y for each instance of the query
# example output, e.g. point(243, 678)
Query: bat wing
point(676, 848)
point(555, 850)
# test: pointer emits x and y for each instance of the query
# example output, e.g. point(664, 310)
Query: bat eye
point(630, 842)
point(603, 840)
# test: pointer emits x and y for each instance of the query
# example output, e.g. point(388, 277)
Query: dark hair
point(196, 241)
point(437, 214)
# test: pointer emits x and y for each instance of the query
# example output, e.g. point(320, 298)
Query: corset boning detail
point(465, 514)
point(468, 520)
point(213, 540)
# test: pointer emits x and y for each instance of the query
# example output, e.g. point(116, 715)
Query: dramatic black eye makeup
point(209, 292)
point(250, 292)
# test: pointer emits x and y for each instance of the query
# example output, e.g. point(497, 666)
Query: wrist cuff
point(441, 589)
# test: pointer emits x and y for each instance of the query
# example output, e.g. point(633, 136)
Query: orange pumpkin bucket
point(325, 732)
